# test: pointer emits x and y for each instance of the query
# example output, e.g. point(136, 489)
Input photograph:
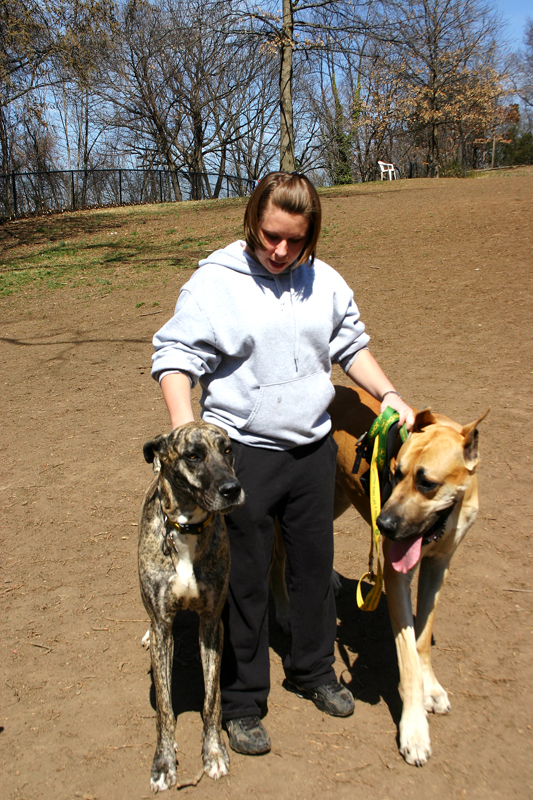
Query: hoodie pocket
point(291, 410)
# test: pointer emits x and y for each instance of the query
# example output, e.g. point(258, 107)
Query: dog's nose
point(387, 523)
point(230, 490)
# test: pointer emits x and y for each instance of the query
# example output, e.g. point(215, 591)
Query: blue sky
point(516, 13)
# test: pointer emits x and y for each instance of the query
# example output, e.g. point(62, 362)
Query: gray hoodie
point(262, 346)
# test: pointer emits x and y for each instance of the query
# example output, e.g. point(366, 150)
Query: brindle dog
point(184, 562)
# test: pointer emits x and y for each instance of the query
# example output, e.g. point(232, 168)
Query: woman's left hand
point(406, 413)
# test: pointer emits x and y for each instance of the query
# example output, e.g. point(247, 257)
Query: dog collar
point(194, 528)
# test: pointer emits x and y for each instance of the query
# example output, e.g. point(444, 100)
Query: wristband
point(390, 391)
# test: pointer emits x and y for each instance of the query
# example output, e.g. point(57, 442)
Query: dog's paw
point(415, 745)
point(145, 641)
point(163, 783)
point(216, 759)
point(436, 699)
point(164, 772)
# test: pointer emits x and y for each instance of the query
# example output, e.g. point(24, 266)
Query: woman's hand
point(406, 413)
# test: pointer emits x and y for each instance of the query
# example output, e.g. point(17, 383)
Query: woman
point(259, 325)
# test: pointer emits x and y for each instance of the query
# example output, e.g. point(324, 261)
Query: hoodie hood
point(234, 256)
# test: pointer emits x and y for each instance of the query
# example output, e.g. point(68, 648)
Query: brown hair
point(293, 193)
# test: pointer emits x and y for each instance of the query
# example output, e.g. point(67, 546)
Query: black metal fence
point(24, 193)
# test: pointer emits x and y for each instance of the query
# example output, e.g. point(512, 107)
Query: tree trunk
point(461, 149)
point(433, 151)
point(196, 163)
point(342, 141)
point(286, 161)
point(175, 181)
point(221, 171)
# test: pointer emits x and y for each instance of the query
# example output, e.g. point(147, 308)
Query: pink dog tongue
point(405, 555)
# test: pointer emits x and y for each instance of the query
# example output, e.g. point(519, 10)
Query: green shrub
point(453, 169)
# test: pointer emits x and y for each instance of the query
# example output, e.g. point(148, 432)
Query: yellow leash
point(370, 602)
point(378, 432)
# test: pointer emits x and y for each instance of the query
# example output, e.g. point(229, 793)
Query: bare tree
point(296, 30)
point(184, 87)
point(40, 41)
point(87, 30)
point(446, 49)
point(25, 47)
point(523, 84)
point(254, 150)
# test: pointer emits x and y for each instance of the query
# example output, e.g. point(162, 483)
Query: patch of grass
point(103, 248)
point(192, 241)
point(65, 262)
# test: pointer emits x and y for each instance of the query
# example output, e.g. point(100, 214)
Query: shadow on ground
point(364, 639)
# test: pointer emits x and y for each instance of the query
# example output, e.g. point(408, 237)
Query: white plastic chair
point(388, 172)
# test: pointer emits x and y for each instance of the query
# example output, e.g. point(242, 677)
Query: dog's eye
point(228, 450)
point(425, 486)
point(191, 456)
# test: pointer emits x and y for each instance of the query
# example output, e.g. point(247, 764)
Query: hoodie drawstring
point(295, 323)
point(295, 328)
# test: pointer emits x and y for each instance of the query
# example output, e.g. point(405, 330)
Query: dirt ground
point(441, 271)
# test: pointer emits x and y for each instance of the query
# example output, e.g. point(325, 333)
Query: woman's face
point(284, 235)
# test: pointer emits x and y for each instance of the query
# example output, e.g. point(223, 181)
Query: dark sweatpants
point(297, 486)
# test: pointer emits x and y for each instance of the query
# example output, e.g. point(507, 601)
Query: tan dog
point(433, 503)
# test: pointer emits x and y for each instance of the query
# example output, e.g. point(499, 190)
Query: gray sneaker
point(248, 736)
point(331, 698)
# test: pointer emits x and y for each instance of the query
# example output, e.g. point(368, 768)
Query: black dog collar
point(194, 528)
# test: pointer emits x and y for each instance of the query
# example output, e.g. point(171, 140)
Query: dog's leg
point(433, 573)
point(277, 580)
point(215, 755)
point(415, 744)
point(164, 773)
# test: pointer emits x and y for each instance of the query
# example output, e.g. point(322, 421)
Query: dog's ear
point(154, 449)
point(470, 448)
point(423, 419)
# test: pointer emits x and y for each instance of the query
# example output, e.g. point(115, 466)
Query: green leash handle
point(380, 428)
